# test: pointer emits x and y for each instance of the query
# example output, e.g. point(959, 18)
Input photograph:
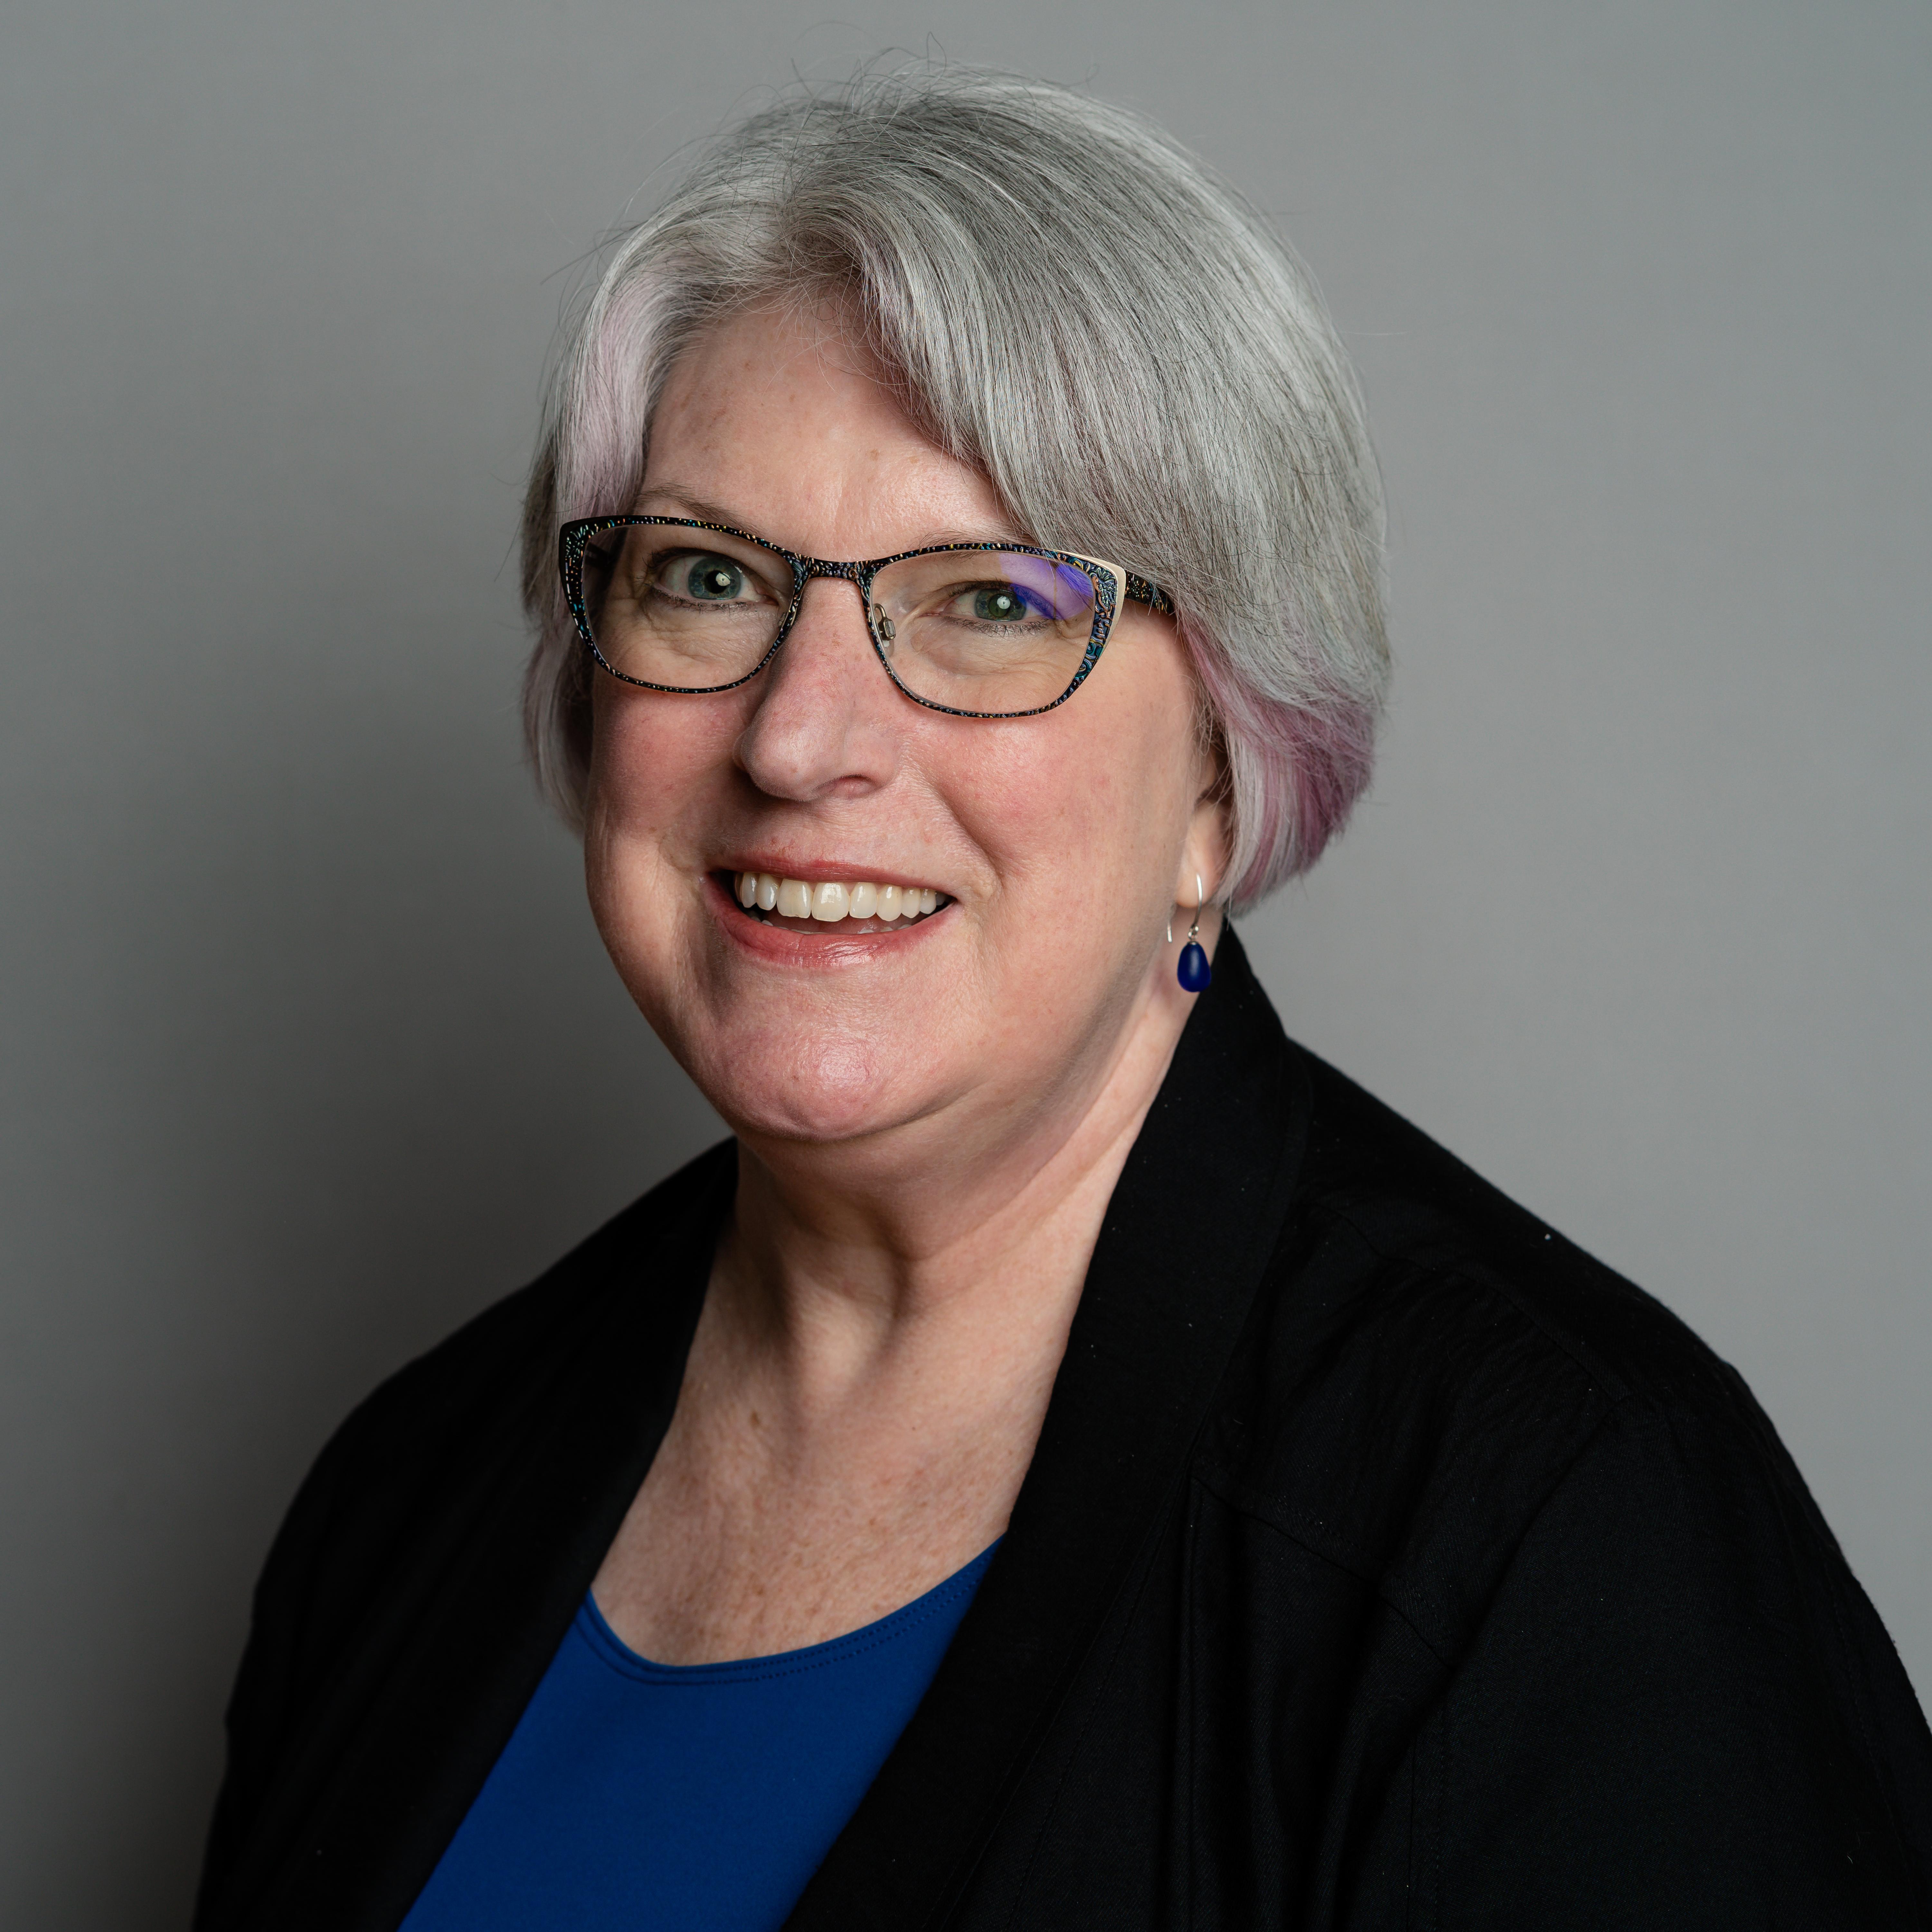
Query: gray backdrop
point(309, 1048)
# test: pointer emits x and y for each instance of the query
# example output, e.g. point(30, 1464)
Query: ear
point(1205, 851)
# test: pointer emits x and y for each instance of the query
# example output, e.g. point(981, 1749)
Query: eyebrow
point(689, 503)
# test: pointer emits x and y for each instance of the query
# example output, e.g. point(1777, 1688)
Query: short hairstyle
point(1073, 305)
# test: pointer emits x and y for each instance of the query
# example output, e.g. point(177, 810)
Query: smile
point(772, 900)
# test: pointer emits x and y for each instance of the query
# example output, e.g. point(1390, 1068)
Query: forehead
point(782, 419)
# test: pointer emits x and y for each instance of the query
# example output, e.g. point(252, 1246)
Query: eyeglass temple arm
point(1151, 594)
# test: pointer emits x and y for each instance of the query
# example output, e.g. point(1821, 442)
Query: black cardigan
point(1384, 1561)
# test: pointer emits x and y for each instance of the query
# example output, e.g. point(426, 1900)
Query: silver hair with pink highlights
point(1079, 309)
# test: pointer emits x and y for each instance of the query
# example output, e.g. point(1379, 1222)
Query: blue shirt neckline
point(611, 1650)
point(637, 1796)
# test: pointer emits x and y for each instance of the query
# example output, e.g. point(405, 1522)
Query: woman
point(1073, 1459)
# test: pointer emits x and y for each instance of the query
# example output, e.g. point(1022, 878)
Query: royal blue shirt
point(664, 1798)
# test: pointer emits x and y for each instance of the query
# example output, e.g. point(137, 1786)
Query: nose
point(827, 721)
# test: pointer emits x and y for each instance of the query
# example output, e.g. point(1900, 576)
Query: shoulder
point(1428, 1363)
point(1639, 1629)
point(427, 1449)
point(1631, 1607)
point(407, 1489)
point(476, 1385)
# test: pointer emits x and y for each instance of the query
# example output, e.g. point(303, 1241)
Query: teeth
point(829, 901)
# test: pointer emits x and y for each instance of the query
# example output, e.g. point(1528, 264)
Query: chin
point(831, 1088)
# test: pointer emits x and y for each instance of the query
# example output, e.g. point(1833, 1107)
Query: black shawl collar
point(357, 1823)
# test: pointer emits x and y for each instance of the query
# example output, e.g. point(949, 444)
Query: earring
point(1194, 972)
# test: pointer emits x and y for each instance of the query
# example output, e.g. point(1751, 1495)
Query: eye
point(1000, 604)
point(709, 580)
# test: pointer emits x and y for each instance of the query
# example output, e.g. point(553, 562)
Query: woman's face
point(1056, 845)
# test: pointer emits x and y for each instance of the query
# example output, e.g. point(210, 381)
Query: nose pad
point(880, 630)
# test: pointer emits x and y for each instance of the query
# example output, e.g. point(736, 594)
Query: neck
point(944, 1232)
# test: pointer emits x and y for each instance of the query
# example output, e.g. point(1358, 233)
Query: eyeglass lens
point(987, 631)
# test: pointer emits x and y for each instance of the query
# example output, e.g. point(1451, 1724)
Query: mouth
point(846, 908)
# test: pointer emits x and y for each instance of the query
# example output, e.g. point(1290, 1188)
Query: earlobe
point(1205, 853)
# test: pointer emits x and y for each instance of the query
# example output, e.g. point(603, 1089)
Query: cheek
point(1127, 770)
point(1084, 818)
point(658, 765)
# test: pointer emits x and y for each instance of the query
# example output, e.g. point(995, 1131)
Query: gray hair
point(1075, 306)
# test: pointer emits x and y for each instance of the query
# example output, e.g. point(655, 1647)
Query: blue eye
point(714, 579)
point(999, 604)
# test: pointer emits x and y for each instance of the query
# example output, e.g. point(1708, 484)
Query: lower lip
point(775, 945)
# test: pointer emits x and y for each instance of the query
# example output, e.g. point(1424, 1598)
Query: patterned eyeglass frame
point(1108, 579)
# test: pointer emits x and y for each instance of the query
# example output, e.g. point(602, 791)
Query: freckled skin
point(929, 1128)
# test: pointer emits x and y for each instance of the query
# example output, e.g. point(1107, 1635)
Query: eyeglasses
point(978, 630)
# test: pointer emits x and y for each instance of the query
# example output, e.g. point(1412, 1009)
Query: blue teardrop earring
point(1194, 972)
